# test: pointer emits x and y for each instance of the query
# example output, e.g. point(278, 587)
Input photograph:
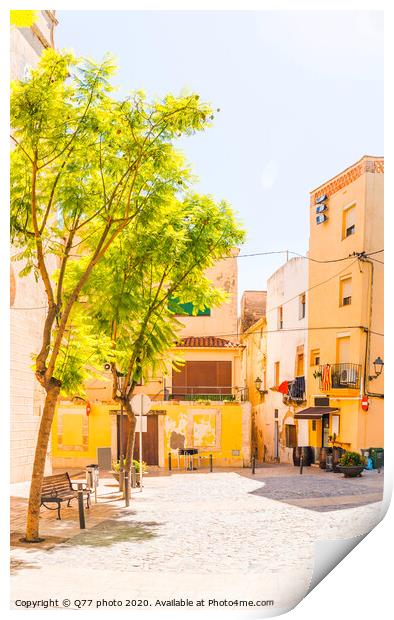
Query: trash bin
point(92, 478)
point(308, 455)
point(324, 454)
point(329, 466)
point(296, 456)
point(377, 456)
point(337, 454)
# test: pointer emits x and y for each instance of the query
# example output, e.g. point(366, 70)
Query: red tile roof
point(206, 341)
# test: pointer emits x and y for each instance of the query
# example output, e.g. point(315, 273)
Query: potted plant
point(136, 464)
point(351, 464)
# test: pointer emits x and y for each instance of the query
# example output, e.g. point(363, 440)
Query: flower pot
point(116, 476)
point(351, 471)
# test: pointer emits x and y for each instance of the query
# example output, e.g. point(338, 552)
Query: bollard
point(82, 525)
point(254, 464)
point(121, 474)
point(301, 463)
point(169, 462)
point(210, 463)
point(126, 488)
point(133, 477)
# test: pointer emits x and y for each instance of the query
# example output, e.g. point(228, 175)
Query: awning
point(314, 413)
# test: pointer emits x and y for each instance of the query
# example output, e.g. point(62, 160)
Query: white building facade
point(27, 297)
point(285, 361)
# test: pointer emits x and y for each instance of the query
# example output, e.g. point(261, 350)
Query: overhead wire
point(265, 254)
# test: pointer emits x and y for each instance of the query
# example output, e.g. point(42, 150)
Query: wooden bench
point(59, 488)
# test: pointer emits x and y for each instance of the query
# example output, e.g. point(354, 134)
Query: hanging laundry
point(326, 378)
point(284, 387)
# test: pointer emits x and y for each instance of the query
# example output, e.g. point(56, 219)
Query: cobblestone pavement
point(197, 535)
point(336, 491)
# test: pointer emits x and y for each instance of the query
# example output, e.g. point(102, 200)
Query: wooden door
point(150, 440)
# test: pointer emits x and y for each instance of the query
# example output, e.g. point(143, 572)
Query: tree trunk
point(33, 512)
point(130, 439)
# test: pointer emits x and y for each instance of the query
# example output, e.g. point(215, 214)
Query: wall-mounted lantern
point(259, 385)
point(378, 367)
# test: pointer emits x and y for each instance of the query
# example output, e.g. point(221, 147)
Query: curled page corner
point(329, 553)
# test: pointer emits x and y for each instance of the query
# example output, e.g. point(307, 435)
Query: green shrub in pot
point(352, 459)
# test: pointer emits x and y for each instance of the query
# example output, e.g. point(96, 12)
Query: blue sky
point(300, 94)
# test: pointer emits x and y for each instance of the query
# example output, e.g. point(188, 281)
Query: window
point(335, 425)
point(302, 306)
point(300, 365)
point(277, 373)
point(204, 378)
point(315, 357)
point(349, 222)
point(343, 350)
point(345, 291)
point(280, 317)
point(291, 436)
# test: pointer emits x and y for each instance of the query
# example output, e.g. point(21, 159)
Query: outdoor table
point(188, 455)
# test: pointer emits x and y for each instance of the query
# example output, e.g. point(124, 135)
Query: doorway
point(325, 430)
point(150, 440)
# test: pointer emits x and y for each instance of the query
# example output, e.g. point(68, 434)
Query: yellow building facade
point(254, 368)
point(220, 429)
point(203, 406)
point(345, 309)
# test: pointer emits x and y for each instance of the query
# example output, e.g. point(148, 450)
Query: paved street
point(201, 535)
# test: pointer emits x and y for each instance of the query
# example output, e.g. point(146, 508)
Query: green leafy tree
point(85, 168)
point(129, 295)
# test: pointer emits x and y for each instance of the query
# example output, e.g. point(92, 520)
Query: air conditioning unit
point(348, 375)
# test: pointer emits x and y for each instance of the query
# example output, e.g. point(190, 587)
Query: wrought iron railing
point(205, 392)
point(339, 376)
point(296, 390)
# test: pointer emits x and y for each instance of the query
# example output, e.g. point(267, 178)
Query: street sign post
point(140, 405)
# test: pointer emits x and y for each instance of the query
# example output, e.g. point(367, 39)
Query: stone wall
point(253, 307)
point(27, 297)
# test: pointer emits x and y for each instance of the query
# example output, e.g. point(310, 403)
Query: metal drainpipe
point(368, 338)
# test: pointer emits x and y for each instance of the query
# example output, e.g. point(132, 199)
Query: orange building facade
point(345, 309)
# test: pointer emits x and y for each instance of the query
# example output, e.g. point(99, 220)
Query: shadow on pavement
point(113, 531)
point(322, 494)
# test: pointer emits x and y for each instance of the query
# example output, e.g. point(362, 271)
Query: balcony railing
point(205, 392)
point(340, 377)
point(296, 391)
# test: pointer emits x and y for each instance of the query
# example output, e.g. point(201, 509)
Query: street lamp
point(378, 367)
point(259, 383)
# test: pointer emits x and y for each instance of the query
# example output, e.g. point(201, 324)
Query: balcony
point(338, 377)
point(296, 391)
point(201, 392)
